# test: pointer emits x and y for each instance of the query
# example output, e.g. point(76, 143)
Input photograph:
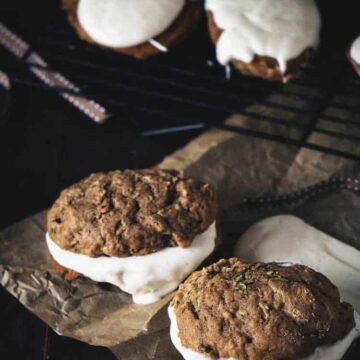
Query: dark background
point(45, 145)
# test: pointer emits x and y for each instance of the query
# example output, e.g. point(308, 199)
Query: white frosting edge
point(124, 23)
point(355, 50)
point(328, 352)
point(147, 278)
point(250, 35)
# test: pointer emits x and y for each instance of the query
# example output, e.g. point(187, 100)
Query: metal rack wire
point(187, 90)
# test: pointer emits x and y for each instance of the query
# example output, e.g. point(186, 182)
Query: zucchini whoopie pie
point(140, 28)
point(261, 311)
point(141, 230)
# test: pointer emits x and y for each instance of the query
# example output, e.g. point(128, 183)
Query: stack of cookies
point(146, 231)
point(269, 39)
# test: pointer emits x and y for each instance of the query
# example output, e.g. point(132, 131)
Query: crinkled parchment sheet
point(237, 167)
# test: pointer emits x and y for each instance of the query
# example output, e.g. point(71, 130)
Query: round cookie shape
point(233, 310)
point(173, 35)
point(124, 23)
point(263, 32)
point(131, 212)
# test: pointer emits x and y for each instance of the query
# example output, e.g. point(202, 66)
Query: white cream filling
point(281, 29)
point(147, 278)
point(124, 23)
point(328, 352)
point(286, 238)
point(355, 50)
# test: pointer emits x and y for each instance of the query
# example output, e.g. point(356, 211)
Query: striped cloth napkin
point(38, 66)
point(4, 96)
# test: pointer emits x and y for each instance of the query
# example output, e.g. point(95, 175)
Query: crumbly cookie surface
point(131, 212)
point(172, 36)
point(259, 311)
point(264, 67)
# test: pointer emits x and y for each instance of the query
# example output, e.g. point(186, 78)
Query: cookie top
point(259, 311)
point(131, 212)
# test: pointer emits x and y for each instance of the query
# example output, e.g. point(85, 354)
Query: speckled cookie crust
point(259, 311)
point(131, 212)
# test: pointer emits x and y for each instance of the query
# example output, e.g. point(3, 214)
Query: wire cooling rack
point(187, 90)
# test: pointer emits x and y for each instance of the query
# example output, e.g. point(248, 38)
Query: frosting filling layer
point(125, 23)
point(355, 50)
point(334, 351)
point(280, 29)
point(147, 278)
point(286, 238)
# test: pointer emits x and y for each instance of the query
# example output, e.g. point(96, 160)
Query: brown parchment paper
point(238, 167)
